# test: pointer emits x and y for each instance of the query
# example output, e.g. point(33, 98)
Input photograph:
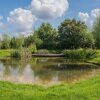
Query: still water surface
point(46, 71)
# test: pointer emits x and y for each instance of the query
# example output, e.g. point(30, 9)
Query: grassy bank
point(81, 54)
point(85, 90)
point(5, 53)
point(94, 61)
point(88, 55)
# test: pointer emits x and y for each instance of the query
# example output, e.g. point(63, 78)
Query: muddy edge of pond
point(48, 55)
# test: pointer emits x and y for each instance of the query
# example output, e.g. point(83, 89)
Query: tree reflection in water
point(46, 71)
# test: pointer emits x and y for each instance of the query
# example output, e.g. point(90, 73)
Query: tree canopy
point(96, 32)
point(73, 35)
point(47, 35)
point(70, 34)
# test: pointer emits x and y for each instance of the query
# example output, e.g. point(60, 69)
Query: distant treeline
point(70, 34)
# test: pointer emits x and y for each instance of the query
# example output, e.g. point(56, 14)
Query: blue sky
point(71, 9)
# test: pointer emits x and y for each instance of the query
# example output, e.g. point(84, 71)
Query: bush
point(16, 54)
point(42, 51)
point(91, 53)
point(32, 48)
point(22, 54)
point(55, 51)
point(80, 54)
point(25, 54)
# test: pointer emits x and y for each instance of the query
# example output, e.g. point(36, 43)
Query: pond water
point(46, 71)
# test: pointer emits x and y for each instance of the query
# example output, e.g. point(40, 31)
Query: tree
point(89, 41)
point(28, 41)
point(96, 32)
point(46, 35)
point(16, 42)
point(37, 40)
point(73, 35)
point(5, 42)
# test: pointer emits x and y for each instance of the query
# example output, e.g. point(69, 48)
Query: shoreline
point(48, 55)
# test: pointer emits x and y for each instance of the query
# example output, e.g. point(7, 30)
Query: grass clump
point(81, 54)
point(22, 53)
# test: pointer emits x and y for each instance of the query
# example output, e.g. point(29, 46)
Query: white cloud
point(24, 34)
point(21, 19)
point(84, 16)
point(89, 18)
point(95, 13)
point(47, 9)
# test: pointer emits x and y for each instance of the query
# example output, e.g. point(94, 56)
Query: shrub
point(32, 48)
point(55, 51)
point(42, 51)
point(25, 53)
point(16, 54)
point(91, 53)
point(22, 54)
point(80, 54)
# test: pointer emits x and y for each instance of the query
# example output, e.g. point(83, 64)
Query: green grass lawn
point(85, 90)
point(5, 53)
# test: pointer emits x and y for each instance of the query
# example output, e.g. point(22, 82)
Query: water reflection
point(45, 71)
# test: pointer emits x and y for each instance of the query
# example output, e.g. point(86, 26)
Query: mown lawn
point(85, 90)
point(5, 53)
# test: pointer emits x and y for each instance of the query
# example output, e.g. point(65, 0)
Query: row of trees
point(7, 42)
point(71, 34)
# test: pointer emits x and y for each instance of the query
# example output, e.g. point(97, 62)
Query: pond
point(46, 71)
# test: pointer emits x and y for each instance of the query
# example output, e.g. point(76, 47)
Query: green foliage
point(37, 40)
point(23, 54)
point(95, 60)
point(5, 43)
point(47, 36)
point(73, 35)
point(96, 32)
point(32, 48)
point(16, 54)
point(80, 54)
point(90, 54)
point(16, 42)
point(55, 51)
point(89, 40)
point(42, 51)
point(85, 90)
point(28, 41)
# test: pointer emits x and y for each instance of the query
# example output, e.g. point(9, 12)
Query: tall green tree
point(73, 35)
point(96, 32)
point(46, 35)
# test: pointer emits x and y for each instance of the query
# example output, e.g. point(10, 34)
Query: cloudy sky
point(22, 16)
